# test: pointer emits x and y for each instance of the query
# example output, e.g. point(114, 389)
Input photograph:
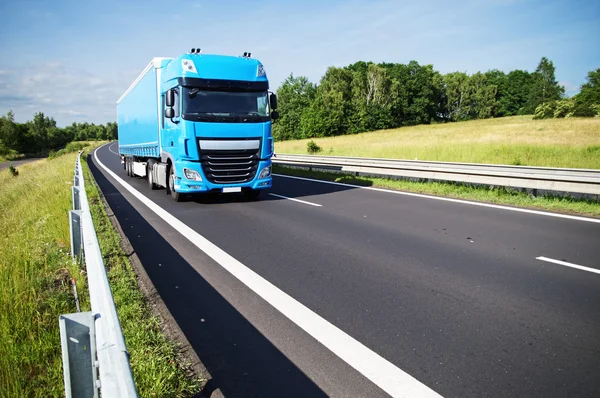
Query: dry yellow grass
point(573, 142)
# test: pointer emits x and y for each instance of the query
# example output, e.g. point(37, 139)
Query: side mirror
point(273, 100)
point(274, 115)
point(169, 113)
point(170, 98)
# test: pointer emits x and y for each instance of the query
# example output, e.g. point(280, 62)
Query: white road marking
point(380, 371)
point(566, 264)
point(296, 200)
point(109, 148)
point(418, 195)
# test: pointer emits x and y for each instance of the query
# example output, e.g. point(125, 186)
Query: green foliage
point(312, 147)
point(70, 148)
point(40, 135)
point(564, 108)
point(13, 171)
point(365, 96)
point(588, 99)
point(294, 96)
point(544, 86)
point(545, 110)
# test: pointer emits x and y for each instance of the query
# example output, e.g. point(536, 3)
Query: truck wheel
point(128, 167)
point(177, 197)
point(252, 194)
point(151, 183)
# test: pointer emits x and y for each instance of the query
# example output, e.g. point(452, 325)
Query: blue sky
point(73, 59)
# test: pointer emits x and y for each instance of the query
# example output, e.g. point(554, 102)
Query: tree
point(483, 97)
point(417, 91)
point(10, 139)
point(372, 98)
point(589, 95)
point(544, 87)
point(330, 111)
point(294, 96)
point(458, 96)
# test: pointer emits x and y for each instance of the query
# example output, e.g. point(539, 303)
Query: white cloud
point(64, 93)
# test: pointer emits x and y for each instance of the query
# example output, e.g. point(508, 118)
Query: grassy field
point(516, 140)
point(35, 270)
point(497, 195)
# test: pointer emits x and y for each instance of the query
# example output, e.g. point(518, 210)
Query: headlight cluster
point(191, 174)
point(264, 173)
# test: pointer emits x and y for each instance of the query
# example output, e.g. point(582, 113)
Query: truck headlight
point(191, 174)
point(264, 173)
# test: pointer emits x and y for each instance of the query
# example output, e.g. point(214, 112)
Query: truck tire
point(128, 167)
point(177, 197)
point(151, 183)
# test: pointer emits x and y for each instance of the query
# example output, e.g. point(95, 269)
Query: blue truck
point(199, 123)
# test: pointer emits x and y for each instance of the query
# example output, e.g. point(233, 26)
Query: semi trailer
point(199, 123)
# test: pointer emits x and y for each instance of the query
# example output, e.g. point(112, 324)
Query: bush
point(312, 147)
point(13, 171)
point(545, 110)
point(564, 108)
point(71, 147)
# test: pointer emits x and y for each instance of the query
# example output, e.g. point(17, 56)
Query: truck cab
point(212, 130)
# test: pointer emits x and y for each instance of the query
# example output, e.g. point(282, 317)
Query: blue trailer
point(199, 123)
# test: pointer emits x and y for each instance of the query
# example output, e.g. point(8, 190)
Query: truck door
point(170, 128)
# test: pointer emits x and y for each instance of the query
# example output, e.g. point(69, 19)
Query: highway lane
point(449, 292)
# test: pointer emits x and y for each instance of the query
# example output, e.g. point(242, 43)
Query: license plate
point(232, 189)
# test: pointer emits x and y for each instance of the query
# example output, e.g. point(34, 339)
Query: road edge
point(168, 325)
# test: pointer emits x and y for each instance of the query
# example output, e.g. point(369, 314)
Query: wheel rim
point(171, 183)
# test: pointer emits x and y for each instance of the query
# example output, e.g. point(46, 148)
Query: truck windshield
point(208, 105)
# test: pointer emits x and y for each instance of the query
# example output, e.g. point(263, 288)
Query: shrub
point(71, 147)
point(545, 110)
point(13, 171)
point(564, 108)
point(312, 147)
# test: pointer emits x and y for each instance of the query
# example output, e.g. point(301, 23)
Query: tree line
point(42, 135)
point(367, 96)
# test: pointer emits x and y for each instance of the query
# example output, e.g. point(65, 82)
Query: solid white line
point(109, 148)
point(566, 264)
point(418, 195)
point(295, 200)
point(380, 371)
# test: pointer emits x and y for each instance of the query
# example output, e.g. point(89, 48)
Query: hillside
point(516, 140)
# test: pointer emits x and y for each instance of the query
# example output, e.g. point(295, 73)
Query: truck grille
point(229, 167)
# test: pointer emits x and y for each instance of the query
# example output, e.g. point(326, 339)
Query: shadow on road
point(241, 361)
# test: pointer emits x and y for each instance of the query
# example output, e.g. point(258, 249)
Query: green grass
point(35, 270)
point(497, 195)
point(516, 140)
point(157, 368)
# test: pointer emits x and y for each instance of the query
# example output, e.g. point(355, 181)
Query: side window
point(176, 107)
point(262, 106)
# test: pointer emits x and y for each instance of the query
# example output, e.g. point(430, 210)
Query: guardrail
point(582, 181)
point(95, 358)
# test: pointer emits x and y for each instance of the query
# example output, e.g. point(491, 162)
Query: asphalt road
point(16, 163)
point(448, 292)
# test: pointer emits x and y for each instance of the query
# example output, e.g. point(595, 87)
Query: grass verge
point(515, 140)
point(35, 270)
point(496, 195)
point(158, 368)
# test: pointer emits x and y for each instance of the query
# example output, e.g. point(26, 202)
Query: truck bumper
point(184, 185)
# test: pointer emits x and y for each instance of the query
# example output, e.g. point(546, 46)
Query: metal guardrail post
point(98, 330)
